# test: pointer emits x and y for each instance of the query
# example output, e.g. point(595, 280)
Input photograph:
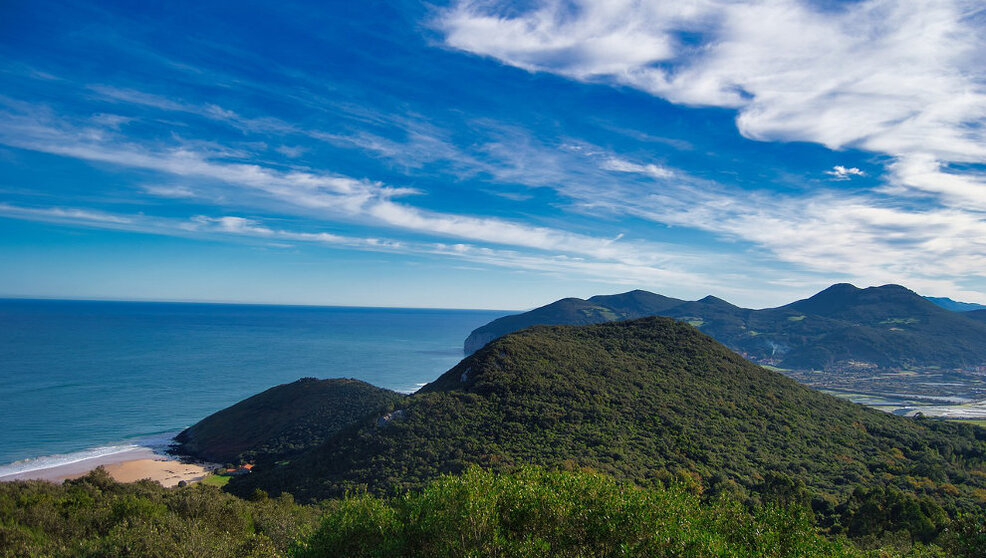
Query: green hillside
point(888, 326)
point(282, 421)
point(651, 400)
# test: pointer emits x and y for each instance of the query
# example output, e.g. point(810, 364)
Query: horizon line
point(37, 298)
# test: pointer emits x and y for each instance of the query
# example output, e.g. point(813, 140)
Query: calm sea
point(81, 378)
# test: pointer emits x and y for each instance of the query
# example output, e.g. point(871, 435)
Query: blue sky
point(490, 154)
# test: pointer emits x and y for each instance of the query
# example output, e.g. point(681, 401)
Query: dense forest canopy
point(282, 421)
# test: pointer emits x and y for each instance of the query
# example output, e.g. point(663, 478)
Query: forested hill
point(642, 400)
point(888, 326)
point(282, 421)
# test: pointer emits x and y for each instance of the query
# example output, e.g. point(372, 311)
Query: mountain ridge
point(888, 326)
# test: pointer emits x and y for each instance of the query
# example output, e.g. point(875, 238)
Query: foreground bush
point(96, 516)
point(540, 513)
point(531, 512)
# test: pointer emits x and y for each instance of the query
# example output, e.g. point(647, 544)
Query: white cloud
point(163, 191)
point(868, 238)
point(114, 121)
point(62, 214)
point(650, 169)
point(901, 79)
point(229, 226)
point(599, 38)
point(289, 151)
point(840, 172)
point(898, 78)
point(312, 194)
point(209, 111)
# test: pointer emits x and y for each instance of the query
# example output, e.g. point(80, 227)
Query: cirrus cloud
point(903, 79)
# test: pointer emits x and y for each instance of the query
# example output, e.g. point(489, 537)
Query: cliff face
point(477, 340)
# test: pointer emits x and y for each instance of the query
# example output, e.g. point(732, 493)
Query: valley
point(958, 394)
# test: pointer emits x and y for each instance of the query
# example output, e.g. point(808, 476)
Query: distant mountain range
point(954, 305)
point(888, 326)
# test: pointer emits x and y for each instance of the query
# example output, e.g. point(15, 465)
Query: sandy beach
point(125, 466)
point(165, 471)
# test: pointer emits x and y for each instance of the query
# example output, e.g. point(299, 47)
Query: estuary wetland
point(955, 394)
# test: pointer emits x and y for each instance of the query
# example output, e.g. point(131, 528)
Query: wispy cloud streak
point(899, 78)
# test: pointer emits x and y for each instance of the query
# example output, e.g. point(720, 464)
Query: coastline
point(128, 465)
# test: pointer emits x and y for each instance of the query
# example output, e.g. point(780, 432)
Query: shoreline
point(129, 465)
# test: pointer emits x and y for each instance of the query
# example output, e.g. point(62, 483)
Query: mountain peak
point(839, 288)
point(849, 302)
point(716, 301)
point(892, 287)
point(836, 296)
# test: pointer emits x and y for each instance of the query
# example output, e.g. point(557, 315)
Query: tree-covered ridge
point(648, 401)
point(889, 326)
point(282, 421)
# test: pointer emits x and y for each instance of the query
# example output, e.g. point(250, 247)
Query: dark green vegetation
point(889, 327)
point(535, 513)
point(530, 513)
point(96, 516)
point(283, 421)
point(654, 401)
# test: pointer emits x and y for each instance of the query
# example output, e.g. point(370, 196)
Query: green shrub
point(534, 512)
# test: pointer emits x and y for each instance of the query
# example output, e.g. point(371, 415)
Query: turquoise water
point(81, 378)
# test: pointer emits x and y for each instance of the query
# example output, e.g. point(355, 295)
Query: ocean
point(80, 379)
